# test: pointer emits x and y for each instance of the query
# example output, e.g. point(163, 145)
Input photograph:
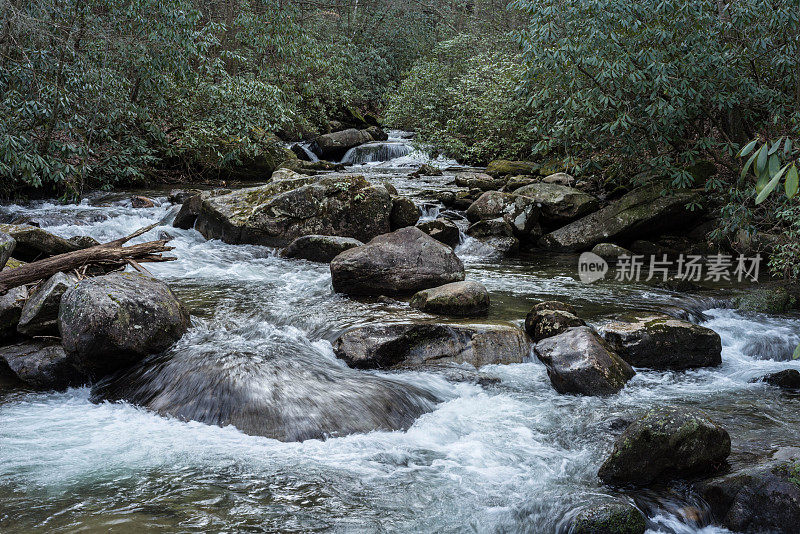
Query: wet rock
point(481, 181)
point(786, 379)
point(579, 361)
point(610, 251)
point(667, 442)
point(42, 365)
point(502, 246)
point(112, 321)
point(285, 173)
point(7, 244)
point(559, 204)
point(420, 344)
point(188, 213)
point(278, 213)
point(298, 150)
point(11, 304)
point(463, 299)
point(142, 202)
point(426, 170)
point(312, 168)
point(639, 213)
point(554, 305)
point(333, 146)
point(307, 396)
point(377, 134)
point(442, 230)
point(404, 213)
point(515, 182)
point(402, 262)
point(319, 248)
point(609, 518)
point(501, 167)
point(83, 241)
point(40, 314)
point(179, 196)
point(764, 498)
point(34, 243)
point(542, 324)
point(560, 178)
point(491, 228)
point(519, 211)
point(658, 341)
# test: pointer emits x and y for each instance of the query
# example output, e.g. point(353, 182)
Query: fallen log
point(111, 254)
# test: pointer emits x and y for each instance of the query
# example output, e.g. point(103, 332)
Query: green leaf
point(761, 162)
point(791, 184)
point(775, 146)
point(774, 164)
point(748, 148)
point(787, 148)
point(796, 354)
point(771, 185)
point(747, 167)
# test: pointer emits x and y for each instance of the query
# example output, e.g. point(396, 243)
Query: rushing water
point(510, 455)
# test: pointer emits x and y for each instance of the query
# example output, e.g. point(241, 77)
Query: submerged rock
point(641, 212)
point(419, 344)
point(319, 248)
point(7, 244)
point(282, 394)
point(464, 299)
point(579, 361)
point(11, 304)
point(559, 204)
point(40, 315)
point(404, 213)
point(112, 321)
point(402, 262)
point(667, 442)
point(278, 213)
point(42, 365)
point(518, 211)
point(609, 518)
point(658, 341)
point(442, 230)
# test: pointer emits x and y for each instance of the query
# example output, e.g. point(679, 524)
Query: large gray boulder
point(7, 244)
point(641, 212)
point(40, 315)
point(333, 146)
point(518, 211)
point(667, 442)
point(559, 204)
point(284, 393)
point(402, 262)
point(462, 299)
point(110, 322)
point(278, 213)
point(442, 230)
point(579, 361)
point(658, 341)
point(11, 304)
point(319, 248)
point(42, 365)
point(420, 344)
point(33, 243)
point(187, 215)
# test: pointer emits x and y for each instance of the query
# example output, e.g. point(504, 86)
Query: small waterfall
point(303, 152)
point(376, 152)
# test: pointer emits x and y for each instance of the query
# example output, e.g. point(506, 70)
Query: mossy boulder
point(658, 341)
point(609, 518)
point(421, 344)
point(668, 442)
point(461, 299)
point(773, 300)
point(519, 211)
point(541, 324)
point(402, 262)
point(642, 212)
point(112, 321)
point(42, 365)
point(503, 167)
point(7, 244)
point(580, 362)
point(278, 213)
point(479, 180)
point(559, 204)
point(442, 230)
point(319, 248)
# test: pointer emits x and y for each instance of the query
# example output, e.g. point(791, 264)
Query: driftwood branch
point(111, 254)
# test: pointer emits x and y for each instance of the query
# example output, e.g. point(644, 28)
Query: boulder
point(7, 244)
point(40, 314)
point(658, 341)
point(491, 228)
point(609, 518)
point(319, 248)
point(541, 324)
point(404, 213)
point(278, 213)
point(333, 146)
point(11, 304)
point(667, 442)
point(112, 321)
point(762, 498)
point(426, 170)
point(33, 243)
point(786, 379)
point(402, 262)
point(442, 230)
point(179, 196)
point(518, 211)
point(560, 178)
point(610, 251)
point(138, 201)
point(188, 213)
point(481, 181)
point(579, 361)
point(641, 212)
point(284, 173)
point(515, 182)
point(502, 167)
point(83, 241)
point(559, 204)
point(420, 344)
point(279, 392)
point(464, 299)
point(377, 134)
point(553, 305)
point(42, 365)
